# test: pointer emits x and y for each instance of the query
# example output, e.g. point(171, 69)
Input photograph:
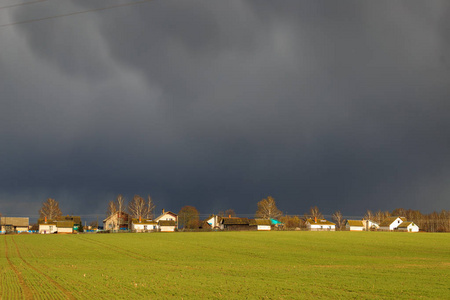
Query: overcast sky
point(218, 104)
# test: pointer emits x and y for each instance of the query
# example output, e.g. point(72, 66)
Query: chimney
point(229, 216)
point(315, 219)
point(163, 210)
point(140, 219)
point(45, 219)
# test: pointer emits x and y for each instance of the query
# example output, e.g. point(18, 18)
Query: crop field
point(228, 265)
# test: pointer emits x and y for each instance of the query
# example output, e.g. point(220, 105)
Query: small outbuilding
point(64, 226)
point(408, 227)
point(354, 225)
point(261, 224)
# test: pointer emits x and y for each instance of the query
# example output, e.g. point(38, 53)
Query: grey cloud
point(218, 104)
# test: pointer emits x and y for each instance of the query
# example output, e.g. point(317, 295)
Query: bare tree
point(150, 208)
point(120, 201)
point(137, 207)
point(112, 208)
point(369, 215)
point(315, 213)
point(339, 219)
point(50, 209)
point(267, 209)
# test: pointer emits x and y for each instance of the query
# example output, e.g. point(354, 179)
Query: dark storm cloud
point(220, 103)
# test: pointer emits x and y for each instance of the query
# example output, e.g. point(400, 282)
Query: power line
point(75, 13)
point(21, 4)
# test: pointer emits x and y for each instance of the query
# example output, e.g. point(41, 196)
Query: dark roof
point(261, 222)
point(166, 223)
point(75, 219)
point(235, 221)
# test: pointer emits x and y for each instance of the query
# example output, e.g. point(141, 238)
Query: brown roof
point(358, 223)
point(75, 219)
point(21, 222)
point(261, 222)
point(166, 223)
point(64, 224)
point(405, 224)
point(388, 221)
point(235, 221)
point(320, 222)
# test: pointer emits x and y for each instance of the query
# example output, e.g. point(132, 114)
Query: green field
point(236, 265)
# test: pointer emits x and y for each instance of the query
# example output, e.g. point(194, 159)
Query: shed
point(408, 227)
point(235, 224)
point(354, 225)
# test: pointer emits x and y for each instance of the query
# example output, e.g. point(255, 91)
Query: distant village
point(139, 218)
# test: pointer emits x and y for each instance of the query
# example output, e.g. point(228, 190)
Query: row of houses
point(168, 222)
point(388, 224)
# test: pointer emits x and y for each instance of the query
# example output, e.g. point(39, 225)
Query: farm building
point(139, 225)
point(260, 224)
point(234, 224)
point(168, 216)
point(408, 226)
point(391, 223)
point(354, 225)
point(320, 225)
point(64, 226)
point(47, 226)
point(116, 221)
point(370, 225)
point(167, 225)
point(13, 225)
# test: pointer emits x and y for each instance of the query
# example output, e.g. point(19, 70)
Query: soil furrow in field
point(56, 284)
point(25, 288)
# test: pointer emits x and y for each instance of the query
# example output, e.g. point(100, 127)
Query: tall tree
point(267, 209)
point(188, 217)
point(339, 219)
point(369, 215)
point(50, 209)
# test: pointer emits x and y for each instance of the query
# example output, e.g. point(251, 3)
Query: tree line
point(189, 216)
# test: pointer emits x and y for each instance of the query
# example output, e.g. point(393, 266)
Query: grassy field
point(236, 265)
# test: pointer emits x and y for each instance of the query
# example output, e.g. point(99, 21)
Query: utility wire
point(21, 4)
point(75, 13)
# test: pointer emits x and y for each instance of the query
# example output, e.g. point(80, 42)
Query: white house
point(354, 225)
point(320, 225)
point(408, 227)
point(391, 223)
point(139, 225)
point(168, 216)
point(47, 226)
point(261, 224)
point(166, 225)
point(370, 225)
